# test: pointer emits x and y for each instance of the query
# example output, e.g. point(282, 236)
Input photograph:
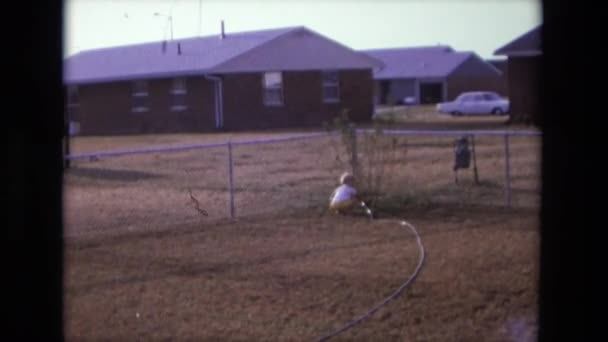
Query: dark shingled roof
point(291, 48)
point(528, 44)
point(418, 62)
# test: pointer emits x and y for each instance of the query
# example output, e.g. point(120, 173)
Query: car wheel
point(456, 113)
point(497, 111)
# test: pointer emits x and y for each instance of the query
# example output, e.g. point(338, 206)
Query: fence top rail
point(117, 153)
point(454, 132)
point(282, 139)
point(100, 154)
point(141, 151)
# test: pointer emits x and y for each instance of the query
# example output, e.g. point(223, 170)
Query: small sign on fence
point(462, 153)
point(462, 156)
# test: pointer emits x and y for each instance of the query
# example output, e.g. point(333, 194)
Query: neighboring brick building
point(524, 63)
point(279, 78)
point(431, 74)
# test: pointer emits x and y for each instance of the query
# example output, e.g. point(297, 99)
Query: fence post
point(230, 180)
point(354, 158)
point(66, 140)
point(474, 159)
point(507, 172)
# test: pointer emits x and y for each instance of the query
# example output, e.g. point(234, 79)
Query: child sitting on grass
point(344, 198)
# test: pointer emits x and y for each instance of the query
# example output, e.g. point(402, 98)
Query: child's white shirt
point(343, 193)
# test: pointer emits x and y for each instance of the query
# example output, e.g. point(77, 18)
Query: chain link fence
point(180, 186)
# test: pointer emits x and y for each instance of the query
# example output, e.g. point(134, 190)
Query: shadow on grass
point(112, 175)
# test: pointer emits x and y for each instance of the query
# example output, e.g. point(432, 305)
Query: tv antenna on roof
point(169, 18)
point(200, 2)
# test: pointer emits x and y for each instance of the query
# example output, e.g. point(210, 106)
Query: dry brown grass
point(285, 270)
point(426, 117)
point(295, 279)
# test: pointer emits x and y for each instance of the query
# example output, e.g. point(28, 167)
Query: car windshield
point(464, 97)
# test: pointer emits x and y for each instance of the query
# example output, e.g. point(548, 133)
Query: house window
point(73, 100)
point(179, 93)
point(139, 96)
point(273, 89)
point(331, 90)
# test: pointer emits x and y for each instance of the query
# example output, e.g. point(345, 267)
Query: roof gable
point(300, 49)
point(528, 44)
point(474, 66)
point(418, 62)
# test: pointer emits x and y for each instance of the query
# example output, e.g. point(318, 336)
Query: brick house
point(277, 78)
point(524, 62)
point(431, 74)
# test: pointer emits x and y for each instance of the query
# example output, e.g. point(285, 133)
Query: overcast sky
point(467, 25)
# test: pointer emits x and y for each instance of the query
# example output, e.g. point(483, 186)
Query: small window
point(273, 89)
point(139, 96)
point(331, 91)
point(140, 104)
point(179, 86)
point(179, 93)
point(73, 100)
point(140, 88)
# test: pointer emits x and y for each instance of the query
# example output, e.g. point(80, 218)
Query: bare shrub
point(374, 158)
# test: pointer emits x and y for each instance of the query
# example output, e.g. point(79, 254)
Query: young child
point(344, 197)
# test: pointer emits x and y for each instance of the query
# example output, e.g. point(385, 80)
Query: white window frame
point(330, 84)
point(179, 87)
point(280, 88)
point(136, 92)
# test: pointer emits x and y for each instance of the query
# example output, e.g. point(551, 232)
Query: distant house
point(288, 77)
point(431, 74)
point(524, 58)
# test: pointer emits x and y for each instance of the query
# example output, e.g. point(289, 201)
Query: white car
point(475, 103)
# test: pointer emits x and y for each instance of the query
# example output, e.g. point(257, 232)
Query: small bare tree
point(374, 158)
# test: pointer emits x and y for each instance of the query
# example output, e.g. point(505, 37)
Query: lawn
point(142, 264)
